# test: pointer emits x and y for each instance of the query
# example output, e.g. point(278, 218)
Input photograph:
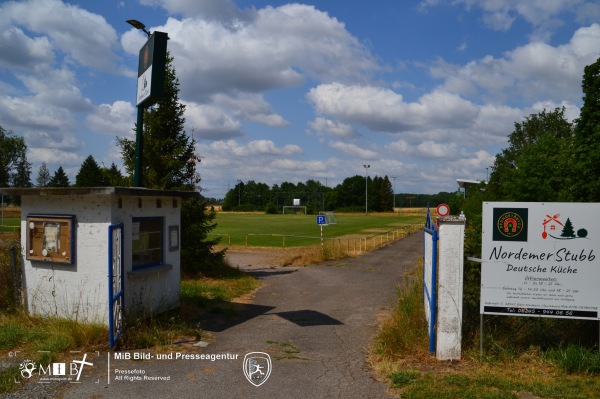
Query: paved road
point(316, 324)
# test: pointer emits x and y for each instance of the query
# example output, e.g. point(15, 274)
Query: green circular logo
point(510, 224)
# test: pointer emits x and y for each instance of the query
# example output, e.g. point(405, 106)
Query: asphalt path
point(316, 324)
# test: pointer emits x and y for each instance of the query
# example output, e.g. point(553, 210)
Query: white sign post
point(450, 287)
point(541, 259)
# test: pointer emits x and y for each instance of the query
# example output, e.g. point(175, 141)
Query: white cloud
point(323, 125)
point(228, 57)
point(85, 37)
point(53, 156)
point(249, 106)
point(21, 51)
point(221, 10)
point(210, 122)
point(533, 71)
point(116, 119)
point(353, 150)
point(278, 48)
point(382, 109)
point(545, 16)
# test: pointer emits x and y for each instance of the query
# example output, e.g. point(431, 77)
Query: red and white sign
point(443, 210)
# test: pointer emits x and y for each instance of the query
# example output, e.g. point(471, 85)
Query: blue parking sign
point(321, 219)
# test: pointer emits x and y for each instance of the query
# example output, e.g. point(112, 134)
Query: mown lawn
point(242, 229)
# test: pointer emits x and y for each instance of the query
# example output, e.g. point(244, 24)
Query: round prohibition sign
point(443, 210)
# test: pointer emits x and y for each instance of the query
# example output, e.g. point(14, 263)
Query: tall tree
point(114, 177)
point(22, 175)
point(60, 179)
point(12, 151)
point(90, 174)
point(169, 157)
point(170, 164)
point(536, 165)
point(43, 177)
point(585, 175)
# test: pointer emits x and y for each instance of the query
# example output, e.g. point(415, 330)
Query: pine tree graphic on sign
point(568, 231)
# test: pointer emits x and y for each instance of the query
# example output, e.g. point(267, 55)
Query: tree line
point(354, 194)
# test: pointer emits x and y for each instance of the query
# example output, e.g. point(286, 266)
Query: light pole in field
point(394, 192)
point(366, 188)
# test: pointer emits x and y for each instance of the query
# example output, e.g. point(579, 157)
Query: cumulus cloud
point(116, 119)
point(278, 48)
point(21, 51)
point(220, 10)
point(353, 150)
point(327, 126)
point(85, 37)
point(545, 16)
point(535, 70)
point(382, 109)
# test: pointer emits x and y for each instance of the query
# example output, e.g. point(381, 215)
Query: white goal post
point(329, 217)
point(294, 209)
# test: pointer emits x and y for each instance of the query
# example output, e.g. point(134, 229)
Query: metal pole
point(481, 336)
point(394, 192)
point(322, 240)
point(13, 256)
point(138, 180)
point(366, 188)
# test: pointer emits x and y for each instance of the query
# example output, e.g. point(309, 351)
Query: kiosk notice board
point(50, 238)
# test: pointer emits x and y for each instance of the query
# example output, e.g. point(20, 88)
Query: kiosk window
point(147, 236)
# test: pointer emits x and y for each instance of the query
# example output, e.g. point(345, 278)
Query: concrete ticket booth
point(99, 254)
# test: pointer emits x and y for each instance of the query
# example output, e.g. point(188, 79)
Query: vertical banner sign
point(541, 259)
point(151, 70)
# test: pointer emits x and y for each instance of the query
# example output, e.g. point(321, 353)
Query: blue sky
point(426, 91)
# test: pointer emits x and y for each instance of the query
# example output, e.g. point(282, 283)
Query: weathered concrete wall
point(450, 287)
point(78, 291)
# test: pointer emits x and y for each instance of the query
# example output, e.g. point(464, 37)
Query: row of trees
point(348, 196)
point(90, 173)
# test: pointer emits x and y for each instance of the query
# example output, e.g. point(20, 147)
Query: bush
point(8, 279)
point(196, 249)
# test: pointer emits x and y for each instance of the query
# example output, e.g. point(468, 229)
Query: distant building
point(464, 185)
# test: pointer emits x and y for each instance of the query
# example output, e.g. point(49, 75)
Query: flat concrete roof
point(116, 191)
point(464, 182)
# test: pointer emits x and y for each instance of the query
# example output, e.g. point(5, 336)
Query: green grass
point(237, 227)
point(10, 224)
point(400, 355)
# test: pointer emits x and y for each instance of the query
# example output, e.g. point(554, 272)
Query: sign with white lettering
point(541, 259)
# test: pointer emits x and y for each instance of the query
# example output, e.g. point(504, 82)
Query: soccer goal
point(329, 217)
point(289, 209)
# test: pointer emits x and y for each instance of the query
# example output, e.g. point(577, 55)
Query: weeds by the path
point(400, 356)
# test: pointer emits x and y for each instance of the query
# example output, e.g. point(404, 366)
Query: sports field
point(302, 230)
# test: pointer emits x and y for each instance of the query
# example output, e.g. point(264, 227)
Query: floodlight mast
point(366, 188)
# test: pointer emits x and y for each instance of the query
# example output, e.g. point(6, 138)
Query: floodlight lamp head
point(138, 25)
